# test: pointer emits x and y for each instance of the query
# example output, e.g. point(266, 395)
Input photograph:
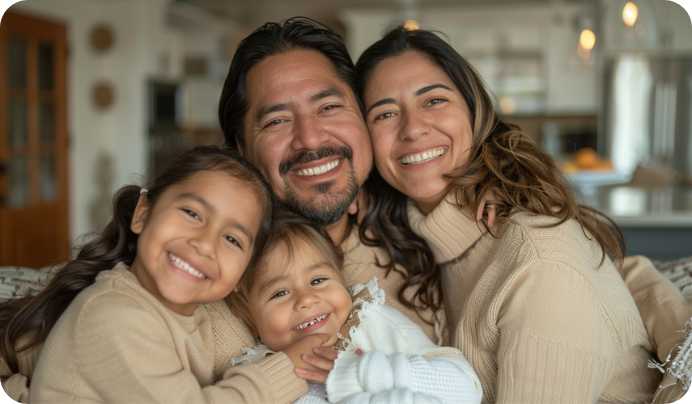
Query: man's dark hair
point(298, 33)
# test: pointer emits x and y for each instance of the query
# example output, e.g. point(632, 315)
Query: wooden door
point(33, 142)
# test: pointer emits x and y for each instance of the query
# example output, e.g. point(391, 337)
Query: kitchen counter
point(656, 221)
point(633, 206)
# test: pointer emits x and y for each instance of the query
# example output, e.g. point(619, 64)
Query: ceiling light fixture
point(630, 13)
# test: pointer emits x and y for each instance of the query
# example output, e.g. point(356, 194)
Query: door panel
point(33, 142)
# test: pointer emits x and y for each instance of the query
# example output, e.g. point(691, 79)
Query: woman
point(536, 305)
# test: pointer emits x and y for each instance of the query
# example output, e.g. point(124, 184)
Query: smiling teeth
point(185, 266)
point(423, 157)
point(309, 323)
point(318, 170)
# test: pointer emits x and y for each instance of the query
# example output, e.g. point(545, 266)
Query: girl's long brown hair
point(29, 320)
point(503, 161)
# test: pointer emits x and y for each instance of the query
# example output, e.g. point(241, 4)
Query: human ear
point(140, 215)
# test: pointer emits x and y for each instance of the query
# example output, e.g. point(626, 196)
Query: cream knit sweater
point(117, 343)
point(536, 316)
point(230, 335)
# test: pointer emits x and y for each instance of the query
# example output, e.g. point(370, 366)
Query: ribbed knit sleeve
point(555, 345)
point(273, 374)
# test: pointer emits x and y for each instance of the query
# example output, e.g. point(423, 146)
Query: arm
point(663, 307)
point(143, 364)
point(376, 378)
point(556, 342)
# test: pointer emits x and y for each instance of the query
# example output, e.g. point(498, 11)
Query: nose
point(413, 125)
point(308, 134)
point(306, 299)
point(204, 243)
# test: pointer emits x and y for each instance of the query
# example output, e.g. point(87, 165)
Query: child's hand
point(322, 361)
point(299, 350)
point(324, 356)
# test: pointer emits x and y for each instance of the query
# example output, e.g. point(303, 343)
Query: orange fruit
point(586, 158)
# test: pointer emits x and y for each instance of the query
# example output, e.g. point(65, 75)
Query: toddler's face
point(298, 298)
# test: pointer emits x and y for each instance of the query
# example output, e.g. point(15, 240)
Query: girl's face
point(295, 299)
point(420, 126)
point(197, 239)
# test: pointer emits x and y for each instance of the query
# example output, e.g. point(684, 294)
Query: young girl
point(297, 290)
point(123, 322)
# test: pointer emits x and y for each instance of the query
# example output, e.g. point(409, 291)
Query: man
point(289, 106)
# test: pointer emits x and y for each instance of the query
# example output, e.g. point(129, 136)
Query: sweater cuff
point(278, 370)
point(343, 379)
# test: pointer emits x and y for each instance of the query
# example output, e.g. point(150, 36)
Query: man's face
point(305, 133)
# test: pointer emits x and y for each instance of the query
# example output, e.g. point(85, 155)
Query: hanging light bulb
point(630, 13)
point(587, 39)
point(411, 25)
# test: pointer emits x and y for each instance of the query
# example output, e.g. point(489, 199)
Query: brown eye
point(384, 116)
point(280, 293)
point(234, 241)
point(191, 213)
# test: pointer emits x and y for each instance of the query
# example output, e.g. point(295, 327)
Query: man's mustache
point(308, 156)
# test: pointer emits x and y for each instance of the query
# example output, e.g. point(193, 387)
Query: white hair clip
point(143, 191)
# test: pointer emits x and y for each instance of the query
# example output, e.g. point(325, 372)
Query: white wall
point(571, 84)
point(141, 44)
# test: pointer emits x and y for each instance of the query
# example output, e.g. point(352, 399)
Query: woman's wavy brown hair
point(26, 322)
point(503, 161)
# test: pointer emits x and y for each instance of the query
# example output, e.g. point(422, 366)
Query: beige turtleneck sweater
point(533, 312)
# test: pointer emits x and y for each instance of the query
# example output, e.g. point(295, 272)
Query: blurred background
point(93, 90)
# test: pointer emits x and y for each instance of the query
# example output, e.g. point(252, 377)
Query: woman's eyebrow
point(380, 102)
point(418, 92)
point(429, 88)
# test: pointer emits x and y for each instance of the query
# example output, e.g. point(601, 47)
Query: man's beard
point(331, 210)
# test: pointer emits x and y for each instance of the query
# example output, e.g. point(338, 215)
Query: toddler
point(298, 290)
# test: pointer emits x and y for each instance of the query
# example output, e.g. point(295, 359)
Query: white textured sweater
point(536, 316)
point(400, 364)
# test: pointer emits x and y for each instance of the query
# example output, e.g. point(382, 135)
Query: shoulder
point(543, 238)
point(113, 301)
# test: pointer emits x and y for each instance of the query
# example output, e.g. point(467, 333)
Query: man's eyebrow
point(211, 208)
point(380, 102)
point(425, 89)
point(333, 91)
point(272, 108)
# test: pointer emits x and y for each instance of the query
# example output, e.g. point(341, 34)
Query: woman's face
point(420, 126)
